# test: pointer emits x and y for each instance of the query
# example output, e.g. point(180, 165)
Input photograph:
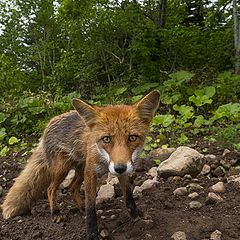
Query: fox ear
point(86, 111)
point(148, 105)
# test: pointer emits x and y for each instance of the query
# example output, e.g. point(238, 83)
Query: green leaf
point(2, 117)
point(2, 133)
point(143, 88)
point(4, 151)
point(13, 140)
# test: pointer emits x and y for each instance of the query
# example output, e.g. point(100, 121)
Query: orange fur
point(91, 140)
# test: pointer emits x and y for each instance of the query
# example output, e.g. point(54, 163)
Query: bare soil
point(165, 212)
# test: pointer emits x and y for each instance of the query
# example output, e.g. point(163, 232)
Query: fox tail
point(29, 185)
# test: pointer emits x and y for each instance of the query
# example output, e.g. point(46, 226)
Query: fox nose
point(120, 168)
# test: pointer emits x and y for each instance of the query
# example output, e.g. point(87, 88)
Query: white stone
point(193, 195)
point(218, 187)
point(181, 191)
point(179, 236)
point(152, 172)
point(216, 235)
point(195, 205)
point(105, 192)
point(183, 161)
point(206, 169)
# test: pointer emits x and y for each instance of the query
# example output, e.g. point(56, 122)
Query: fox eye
point(132, 138)
point(106, 139)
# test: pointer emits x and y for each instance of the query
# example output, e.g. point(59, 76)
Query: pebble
point(104, 233)
point(193, 195)
point(195, 205)
point(181, 191)
point(112, 217)
point(216, 235)
point(225, 152)
point(218, 172)
point(206, 169)
point(179, 236)
point(152, 172)
point(213, 198)
point(194, 187)
point(218, 187)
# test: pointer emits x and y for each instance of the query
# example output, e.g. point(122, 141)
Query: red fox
point(91, 140)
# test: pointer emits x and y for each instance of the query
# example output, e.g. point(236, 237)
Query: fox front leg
point(128, 196)
point(90, 181)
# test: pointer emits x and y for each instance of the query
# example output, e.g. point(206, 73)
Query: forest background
point(115, 52)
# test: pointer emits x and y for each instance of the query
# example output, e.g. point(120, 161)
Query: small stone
point(105, 192)
point(177, 178)
point(100, 211)
point(225, 164)
point(148, 236)
point(195, 205)
point(210, 156)
point(206, 169)
point(137, 190)
point(113, 217)
point(104, 233)
point(225, 152)
point(181, 191)
point(179, 236)
point(218, 172)
point(194, 187)
point(216, 235)
point(103, 217)
point(152, 172)
point(218, 187)
point(234, 171)
point(213, 198)
point(193, 195)
point(187, 177)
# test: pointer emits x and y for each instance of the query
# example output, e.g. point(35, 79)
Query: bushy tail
point(29, 185)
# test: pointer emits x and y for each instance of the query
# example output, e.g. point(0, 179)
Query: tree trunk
point(236, 36)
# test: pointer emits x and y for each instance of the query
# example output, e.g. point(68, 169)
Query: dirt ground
point(166, 213)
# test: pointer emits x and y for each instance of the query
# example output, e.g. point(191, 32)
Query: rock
point(205, 170)
point(225, 152)
point(104, 233)
point(216, 235)
point(179, 236)
point(152, 172)
point(183, 161)
point(193, 196)
point(66, 182)
point(192, 187)
point(225, 164)
point(211, 156)
point(195, 205)
point(161, 154)
point(1, 191)
point(149, 183)
point(213, 198)
point(181, 191)
point(112, 180)
point(105, 192)
point(218, 172)
point(218, 187)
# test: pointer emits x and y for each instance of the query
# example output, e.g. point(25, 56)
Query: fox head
point(118, 132)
